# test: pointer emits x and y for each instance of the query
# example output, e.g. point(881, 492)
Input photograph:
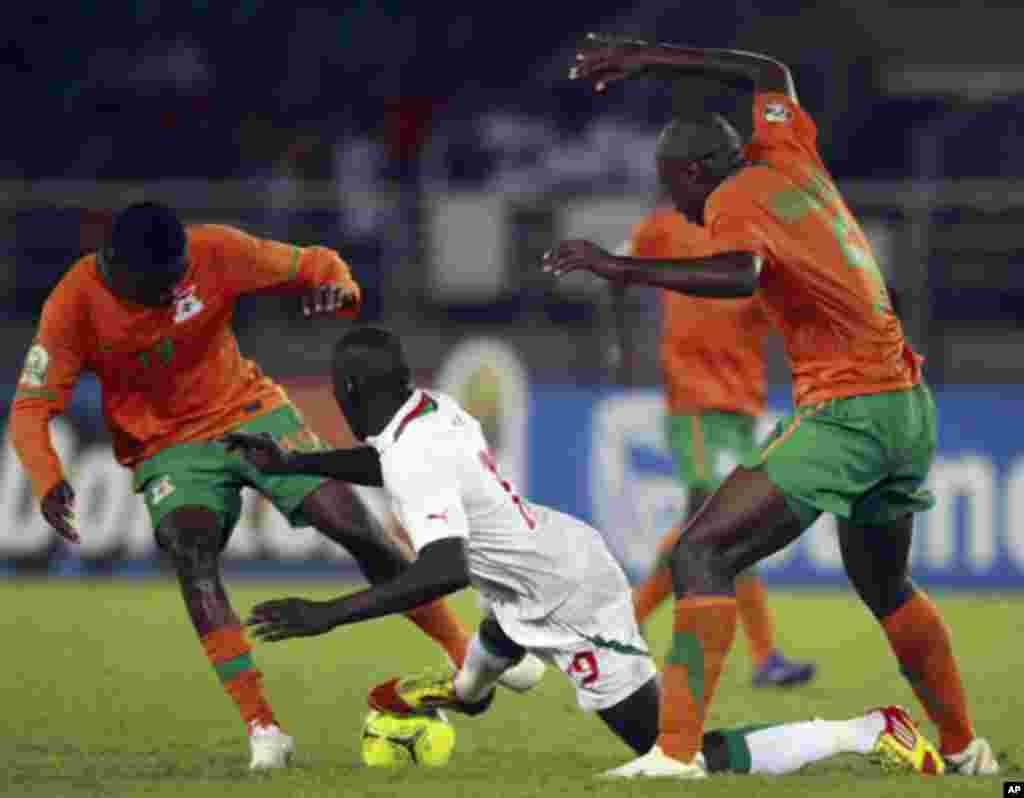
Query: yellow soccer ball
point(393, 741)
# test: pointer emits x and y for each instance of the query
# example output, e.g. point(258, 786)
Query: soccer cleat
point(425, 692)
point(777, 671)
point(901, 746)
point(521, 677)
point(271, 747)
point(977, 759)
point(657, 765)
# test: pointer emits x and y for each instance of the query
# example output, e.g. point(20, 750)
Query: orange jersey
point(711, 349)
point(168, 375)
point(820, 283)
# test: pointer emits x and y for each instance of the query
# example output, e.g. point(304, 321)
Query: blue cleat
point(777, 671)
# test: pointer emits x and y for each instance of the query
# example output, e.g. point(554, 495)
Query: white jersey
point(528, 560)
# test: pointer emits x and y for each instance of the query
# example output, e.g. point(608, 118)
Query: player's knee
point(700, 567)
point(889, 598)
point(190, 535)
point(494, 639)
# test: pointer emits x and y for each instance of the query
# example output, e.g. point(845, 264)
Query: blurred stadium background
point(442, 153)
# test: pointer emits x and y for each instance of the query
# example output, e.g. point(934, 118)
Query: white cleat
point(657, 765)
point(271, 747)
point(524, 675)
point(977, 759)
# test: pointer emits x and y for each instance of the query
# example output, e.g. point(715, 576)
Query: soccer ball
point(395, 740)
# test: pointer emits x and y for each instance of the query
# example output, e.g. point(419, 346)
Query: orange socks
point(921, 642)
point(755, 617)
point(649, 594)
point(230, 655)
point(703, 631)
point(441, 624)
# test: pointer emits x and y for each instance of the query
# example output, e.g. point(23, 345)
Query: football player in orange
point(150, 316)
point(712, 359)
point(862, 438)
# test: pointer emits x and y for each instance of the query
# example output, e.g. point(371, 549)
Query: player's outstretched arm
point(359, 466)
point(724, 275)
point(252, 265)
point(441, 568)
point(605, 59)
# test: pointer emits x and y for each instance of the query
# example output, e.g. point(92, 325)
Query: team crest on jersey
point(160, 490)
point(777, 112)
point(186, 304)
point(37, 362)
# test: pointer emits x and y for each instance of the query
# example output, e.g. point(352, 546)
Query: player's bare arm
point(359, 466)
point(606, 59)
point(440, 569)
point(724, 275)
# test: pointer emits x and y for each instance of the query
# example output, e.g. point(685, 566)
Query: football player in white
point(553, 587)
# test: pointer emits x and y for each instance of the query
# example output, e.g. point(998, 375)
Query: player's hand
point(282, 619)
point(327, 300)
point(579, 255)
point(261, 451)
point(57, 507)
point(606, 59)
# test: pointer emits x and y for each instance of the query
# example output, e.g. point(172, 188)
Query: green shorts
point(864, 458)
point(203, 474)
point(706, 447)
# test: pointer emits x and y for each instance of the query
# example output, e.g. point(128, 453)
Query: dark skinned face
point(152, 288)
point(349, 404)
point(687, 185)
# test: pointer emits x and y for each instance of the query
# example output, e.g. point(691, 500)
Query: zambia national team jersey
point(711, 349)
point(820, 283)
point(168, 375)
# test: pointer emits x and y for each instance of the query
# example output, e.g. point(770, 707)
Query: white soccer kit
point(551, 582)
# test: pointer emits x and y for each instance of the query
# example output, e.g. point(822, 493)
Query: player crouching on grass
point(552, 585)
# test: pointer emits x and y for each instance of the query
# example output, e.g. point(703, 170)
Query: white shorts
point(591, 633)
point(602, 652)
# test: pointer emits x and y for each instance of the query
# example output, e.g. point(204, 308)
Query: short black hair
point(145, 235)
point(373, 357)
point(708, 138)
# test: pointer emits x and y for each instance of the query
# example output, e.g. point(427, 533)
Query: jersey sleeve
point(782, 125)
point(647, 239)
point(424, 491)
point(258, 265)
point(52, 367)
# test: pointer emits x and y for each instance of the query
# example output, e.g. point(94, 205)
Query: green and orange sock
point(231, 657)
point(703, 631)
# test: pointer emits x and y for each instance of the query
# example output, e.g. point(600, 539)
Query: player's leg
point(336, 511)
point(194, 502)
point(917, 634)
point(704, 448)
point(652, 591)
point(747, 519)
point(886, 734)
point(694, 469)
point(732, 434)
point(875, 543)
point(780, 748)
point(192, 538)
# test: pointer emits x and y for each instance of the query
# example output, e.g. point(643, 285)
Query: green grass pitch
point(104, 691)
